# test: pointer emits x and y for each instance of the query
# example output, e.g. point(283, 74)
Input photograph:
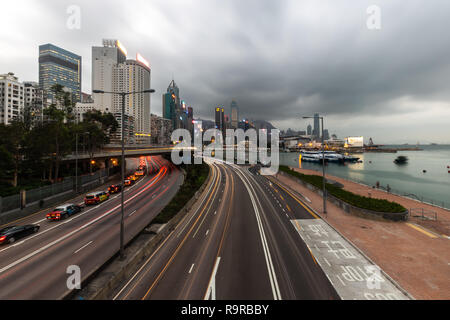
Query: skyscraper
point(309, 130)
point(134, 76)
point(234, 114)
point(59, 66)
point(171, 105)
point(104, 59)
point(316, 131)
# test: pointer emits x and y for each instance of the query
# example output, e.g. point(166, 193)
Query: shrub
point(379, 205)
point(195, 176)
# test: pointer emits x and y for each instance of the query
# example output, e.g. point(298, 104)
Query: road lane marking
point(133, 212)
point(289, 208)
point(267, 255)
point(301, 203)
point(83, 247)
point(192, 267)
point(207, 231)
point(211, 294)
point(214, 182)
point(24, 258)
point(416, 227)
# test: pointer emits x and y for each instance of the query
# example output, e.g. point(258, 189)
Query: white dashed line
point(83, 247)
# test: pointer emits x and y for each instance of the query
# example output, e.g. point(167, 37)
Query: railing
point(426, 200)
point(25, 198)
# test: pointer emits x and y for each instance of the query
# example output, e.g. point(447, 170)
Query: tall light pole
point(123, 95)
point(76, 160)
point(324, 190)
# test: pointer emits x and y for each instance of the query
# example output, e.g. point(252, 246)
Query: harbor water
point(425, 176)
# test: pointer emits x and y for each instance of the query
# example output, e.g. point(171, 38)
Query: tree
point(11, 141)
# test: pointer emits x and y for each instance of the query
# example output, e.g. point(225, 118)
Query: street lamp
point(76, 160)
point(324, 190)
point(123, 95)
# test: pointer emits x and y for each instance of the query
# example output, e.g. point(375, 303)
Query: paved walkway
point(416, 257)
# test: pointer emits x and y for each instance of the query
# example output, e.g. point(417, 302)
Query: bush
point(195, 176)
point(379, 205)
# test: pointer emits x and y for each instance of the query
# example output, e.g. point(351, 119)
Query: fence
point(18, 201)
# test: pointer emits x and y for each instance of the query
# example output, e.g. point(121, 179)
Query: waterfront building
point(316, 130)
point(59, 66)
point(12, 100)
point(234, 114)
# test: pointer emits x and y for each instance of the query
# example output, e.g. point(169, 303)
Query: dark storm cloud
point(278, 59)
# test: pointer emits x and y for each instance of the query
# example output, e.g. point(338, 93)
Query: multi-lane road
point(246, 237)
point(36, 267)
point(238, 242)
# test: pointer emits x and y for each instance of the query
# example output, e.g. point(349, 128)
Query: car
point(96, 197)
point(128, 182)
point(63, 212)
point(12, 233)
point(132, 177)
point(114, 188)
point(139, 173)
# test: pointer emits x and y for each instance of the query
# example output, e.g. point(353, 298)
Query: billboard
point(355, 141)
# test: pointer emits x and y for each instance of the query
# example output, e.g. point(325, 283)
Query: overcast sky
point(279, 59)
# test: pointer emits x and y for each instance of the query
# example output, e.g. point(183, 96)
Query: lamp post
point(324, 190)
point(76, 160)
point(123, 95)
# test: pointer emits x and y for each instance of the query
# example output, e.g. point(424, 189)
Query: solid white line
point(192, 267)
point(212, 283)
point(269, 263)
point(205, 195)
point(83, 247)
point(142, 267)
point(327, 261)
point(70, 233)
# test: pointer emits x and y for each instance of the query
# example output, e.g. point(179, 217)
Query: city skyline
point(277, 72)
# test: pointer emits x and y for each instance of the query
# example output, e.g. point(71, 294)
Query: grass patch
point(379, 205)
point(196, 175)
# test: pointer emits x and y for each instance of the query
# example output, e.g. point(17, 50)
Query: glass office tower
point(59, 66)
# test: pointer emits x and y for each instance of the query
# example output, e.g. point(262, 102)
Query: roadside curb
point(111, 274)
point(350, 242)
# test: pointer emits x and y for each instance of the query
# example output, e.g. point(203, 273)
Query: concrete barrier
point(114, 272)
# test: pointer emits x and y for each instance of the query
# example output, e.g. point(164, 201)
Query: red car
point(96, 197)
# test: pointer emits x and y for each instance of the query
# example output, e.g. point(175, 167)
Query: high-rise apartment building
point(104, 60)
point(34, 102)
point(134, 76)
point(12, 98)
point(59, 66)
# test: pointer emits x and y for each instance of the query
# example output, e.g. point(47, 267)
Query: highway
point(238, 242)
point(36, 267)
